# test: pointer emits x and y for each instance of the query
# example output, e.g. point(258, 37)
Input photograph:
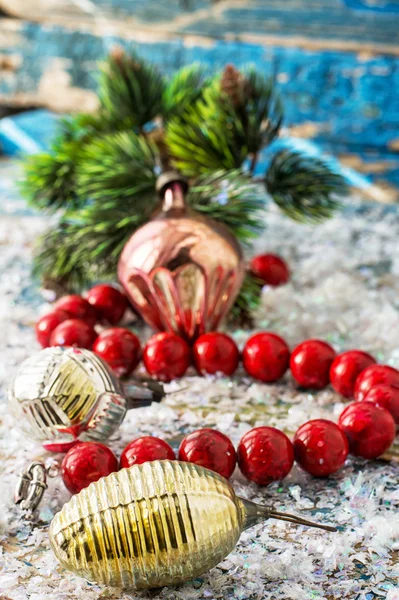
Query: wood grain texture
point(336, 61)
point(314, 19)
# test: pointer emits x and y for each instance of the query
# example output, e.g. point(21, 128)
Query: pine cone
point(124, 62)
point(117, 54)
point(235, 86)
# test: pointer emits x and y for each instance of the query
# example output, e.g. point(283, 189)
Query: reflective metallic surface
point(181, 271)
point(31, 487)
point(154, 524)
point(63, 394)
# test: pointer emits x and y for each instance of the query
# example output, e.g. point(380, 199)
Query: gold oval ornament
point(152, 525)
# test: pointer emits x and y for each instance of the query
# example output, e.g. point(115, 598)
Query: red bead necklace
point(365, 428)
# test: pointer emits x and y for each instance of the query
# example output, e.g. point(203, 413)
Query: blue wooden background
point(336, 61)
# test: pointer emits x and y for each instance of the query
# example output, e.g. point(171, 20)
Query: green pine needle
point(49, 178)
point(116, 176)
point(130, 89)
point(218, 133)
point(101, 168)
point(262, 114)
point(104, 229)
point(56, 259)
point(118, 167)
point(231, 198)
point(84, 126)
point(247, 301)
point(86, 246)
point(305, 188)
point(184, 89)
point(203, 139)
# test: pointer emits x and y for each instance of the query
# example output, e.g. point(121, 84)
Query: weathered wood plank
point(319, 21)
point(386, 6)
point(336, 61)
point(347, 97)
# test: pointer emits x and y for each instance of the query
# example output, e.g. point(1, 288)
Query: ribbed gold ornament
point(155, 524)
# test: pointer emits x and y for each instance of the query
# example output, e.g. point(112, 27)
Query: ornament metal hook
point(31, 486)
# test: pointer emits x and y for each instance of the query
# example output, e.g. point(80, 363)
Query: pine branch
point(252, 99)
point(200, 141)
point(130, 89)
point(86, 245)
point(49, 181)
point(116, 174)
point(84, 126)
point(104, 229)
point(56, 260)
point(50, 178)
point(305, 188)
point(118, 167)
point(184, 89)
point(231, 198)
point(263, 114)
point(247, 301)
point(236, 115)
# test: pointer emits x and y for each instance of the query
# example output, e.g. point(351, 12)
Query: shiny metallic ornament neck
point(257, 513)
point(174, 198)
point(167, 179)
point(155, 524)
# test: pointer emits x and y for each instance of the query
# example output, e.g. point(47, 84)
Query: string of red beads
point(264, 454)
point(366, 427)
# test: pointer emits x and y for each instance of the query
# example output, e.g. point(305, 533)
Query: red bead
point(320, 447)
point(166, 356)
point(120, 348)
point(87, 462)
point(386, 396)
point(77, 308)
point(265, 454)
point(210, 449)
point(110, 304)
point(145, 449)
point(270, 268)
point(369, 428)
point(310, 364)
point(45, 326)
point(346, 368)
point(372, 376)
point(73, 332)
point(215, 353)
point(266, 357)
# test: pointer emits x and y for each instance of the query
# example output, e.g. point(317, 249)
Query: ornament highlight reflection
point(181, 271)
point(155, 524)
point(60, 395)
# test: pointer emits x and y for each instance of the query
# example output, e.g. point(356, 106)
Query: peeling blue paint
point(385, 6)
point(27, 133)
point(349, 97)
point(364, 20)
point(352, 101)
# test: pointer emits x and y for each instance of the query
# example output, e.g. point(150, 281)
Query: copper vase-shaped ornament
point(182, 271)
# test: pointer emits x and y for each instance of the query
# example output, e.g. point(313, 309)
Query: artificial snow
point(344, 289)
